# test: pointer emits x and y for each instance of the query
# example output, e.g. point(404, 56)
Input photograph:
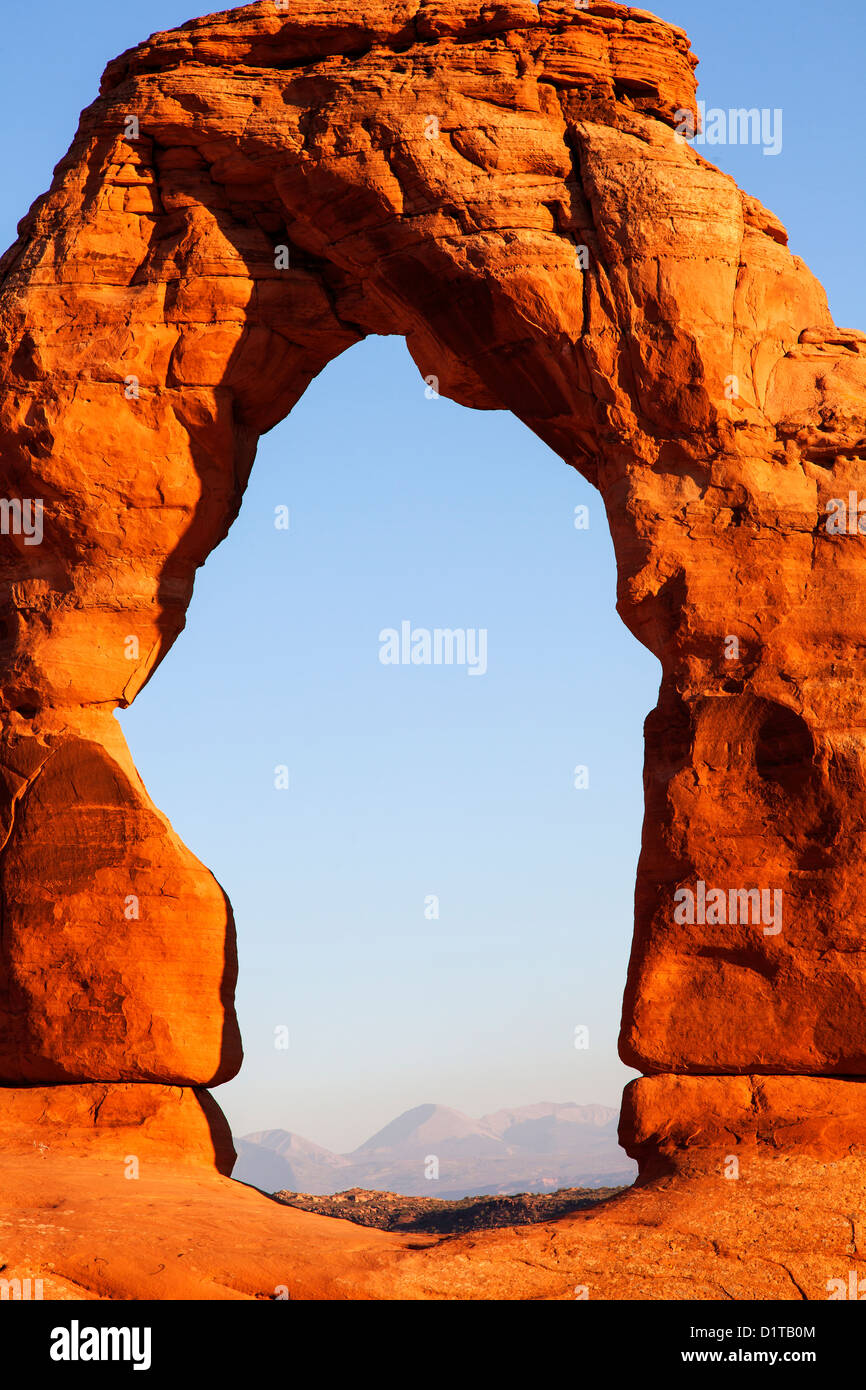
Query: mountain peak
point(425, 1125)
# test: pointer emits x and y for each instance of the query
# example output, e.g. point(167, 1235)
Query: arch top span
point(505, 186)
point(508, 187)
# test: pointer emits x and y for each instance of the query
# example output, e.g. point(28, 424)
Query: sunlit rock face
point(508, 187)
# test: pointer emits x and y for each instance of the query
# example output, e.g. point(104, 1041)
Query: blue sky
point(412, 781)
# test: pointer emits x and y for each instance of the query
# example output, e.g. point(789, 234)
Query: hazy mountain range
point(533, 1148)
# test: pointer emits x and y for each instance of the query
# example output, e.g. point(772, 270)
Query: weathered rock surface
point(130, 1124)
point(696, 1123)
point(118, 960)
point(785, 1228)
point(507, 187)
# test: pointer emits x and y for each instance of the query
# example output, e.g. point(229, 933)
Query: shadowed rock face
point(505, 186)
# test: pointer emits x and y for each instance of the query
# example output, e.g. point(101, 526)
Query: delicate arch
point(507, 186)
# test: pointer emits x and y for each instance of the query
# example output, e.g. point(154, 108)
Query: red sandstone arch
point(432, 171)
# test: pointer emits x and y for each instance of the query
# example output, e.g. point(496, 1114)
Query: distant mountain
point(601, 1116)
point(555, 1129)
point(264, 1168)
point(532, 1148)
point(432, 1128)
point(278, 1161)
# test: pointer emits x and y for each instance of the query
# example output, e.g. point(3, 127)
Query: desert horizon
point(438, 1152)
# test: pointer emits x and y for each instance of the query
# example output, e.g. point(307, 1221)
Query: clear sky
point(409, 782)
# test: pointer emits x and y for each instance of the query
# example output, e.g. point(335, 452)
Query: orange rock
point(117, 958)
point(508, 187)
point(699, 1121)
point(782, 1230)
point(133, 1125)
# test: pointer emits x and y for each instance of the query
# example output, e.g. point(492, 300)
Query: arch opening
point(412, 782)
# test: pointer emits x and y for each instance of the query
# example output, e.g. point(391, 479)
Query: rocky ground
point(388, 1211)
point(787, 1228)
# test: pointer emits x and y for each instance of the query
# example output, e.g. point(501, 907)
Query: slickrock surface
point(505, 186)
point(780, 1231)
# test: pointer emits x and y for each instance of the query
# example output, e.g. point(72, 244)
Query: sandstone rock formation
point(126, 1123)
point(784, 1231)
point(508, 187)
